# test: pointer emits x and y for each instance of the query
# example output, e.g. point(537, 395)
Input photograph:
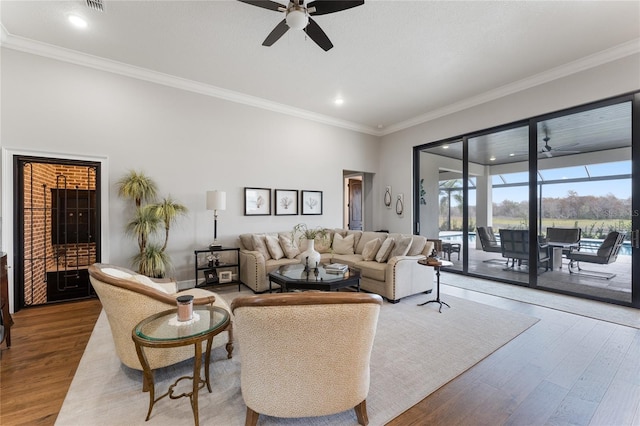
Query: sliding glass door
point(547, 203)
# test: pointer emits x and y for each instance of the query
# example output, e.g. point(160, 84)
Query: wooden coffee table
point(294, 277)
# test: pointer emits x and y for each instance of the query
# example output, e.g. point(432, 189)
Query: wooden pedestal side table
point(436, 265)
point(162, 330)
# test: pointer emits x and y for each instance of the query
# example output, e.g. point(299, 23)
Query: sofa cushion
point(417, 245)
point(260, 245)
point(347, 259)
point(372, 269)
point(273, 245)
point(371, 249)
point(385, 250)
point(401, 246)
point(247, 241)
point(356, 237)
point(289, 245)
point(368, 236)
point(322, 244)
point(343, 245)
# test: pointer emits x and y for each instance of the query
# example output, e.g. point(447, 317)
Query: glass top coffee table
point(294, 277)
point(162, 330)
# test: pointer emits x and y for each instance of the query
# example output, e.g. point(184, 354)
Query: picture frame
point(257, 201)
point(285, 202)
point(225, 277)
point(311, 203)
point(210, 276)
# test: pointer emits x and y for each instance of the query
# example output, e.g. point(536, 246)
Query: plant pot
point(310, 256)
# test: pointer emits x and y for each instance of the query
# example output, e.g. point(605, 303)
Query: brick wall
point(40, 255)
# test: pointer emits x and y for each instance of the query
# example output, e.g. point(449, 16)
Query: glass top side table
point(162, 330)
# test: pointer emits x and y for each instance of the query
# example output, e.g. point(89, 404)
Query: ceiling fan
point(298, 17)
point(548, 150)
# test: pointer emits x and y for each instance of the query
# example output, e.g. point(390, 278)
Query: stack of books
point(336, 268)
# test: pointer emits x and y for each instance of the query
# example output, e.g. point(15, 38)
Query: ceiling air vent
point(96, 4)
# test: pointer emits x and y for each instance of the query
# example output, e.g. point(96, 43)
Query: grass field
point(590, 228)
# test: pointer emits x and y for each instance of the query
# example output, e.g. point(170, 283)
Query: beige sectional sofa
point(393, 276)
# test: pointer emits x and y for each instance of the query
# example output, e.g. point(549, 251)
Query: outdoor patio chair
point(607, 253)
point(489, 242)
point(515, 247)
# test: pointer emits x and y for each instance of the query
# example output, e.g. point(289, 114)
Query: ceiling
point(395, 63)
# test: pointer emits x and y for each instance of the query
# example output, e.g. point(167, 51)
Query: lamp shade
point(216, 200)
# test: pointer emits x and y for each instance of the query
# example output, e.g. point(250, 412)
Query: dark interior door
point(355, 204)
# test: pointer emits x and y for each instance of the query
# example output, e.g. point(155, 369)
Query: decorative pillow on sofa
point(322, 244)
point(247, 241)
point(371, 249)
point(260, 245)
point(273, 245)
point(401, 247)
point(343, 245)
point(385, 250)
point(417, 245)
point(288, 245)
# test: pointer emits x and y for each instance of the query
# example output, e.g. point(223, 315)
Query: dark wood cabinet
point(5, 316)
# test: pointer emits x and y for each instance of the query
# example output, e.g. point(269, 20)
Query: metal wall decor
point(400, 205)
point(387, 196)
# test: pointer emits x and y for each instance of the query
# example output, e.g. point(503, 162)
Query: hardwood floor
point(46, 346)
point(566, 369)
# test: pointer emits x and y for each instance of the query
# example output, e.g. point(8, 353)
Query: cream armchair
point(128, 298)
point(305, 354)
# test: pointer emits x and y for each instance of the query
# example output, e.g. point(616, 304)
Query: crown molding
point(617, 52)
point(67, 55)
point(78, 58)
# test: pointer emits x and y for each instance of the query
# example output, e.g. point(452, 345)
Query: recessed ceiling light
point(338, 101)
point(445, 146)
point(492, 158)
point(512, 155)
point(77, 21)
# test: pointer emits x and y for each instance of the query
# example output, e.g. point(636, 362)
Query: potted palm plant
point(150, 219)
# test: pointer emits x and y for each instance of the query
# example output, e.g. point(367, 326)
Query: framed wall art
point(286, 202)
point(257, 201)
point(311, 202)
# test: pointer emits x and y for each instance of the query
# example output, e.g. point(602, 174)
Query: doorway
point(57, 227)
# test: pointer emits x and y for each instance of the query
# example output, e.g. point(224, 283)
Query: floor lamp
point(216, 200)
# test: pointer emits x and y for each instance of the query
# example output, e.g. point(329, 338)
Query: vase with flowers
point(310, 257)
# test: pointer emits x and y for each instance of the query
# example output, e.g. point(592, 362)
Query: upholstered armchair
point(127, 298)
point(305, 354)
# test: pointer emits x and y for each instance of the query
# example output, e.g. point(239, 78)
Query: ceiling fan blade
point(265, 4)
point(277, 32)
point(316, 34)
point(329, 6)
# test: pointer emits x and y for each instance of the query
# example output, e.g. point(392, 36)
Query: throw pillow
point(273, 245)
point(385, 250)
point(322, 244)
point(417, 245)
point(401, 247)
point(371, 249)
point(289, 246)
point(260, 246)
point(247, 241)
point(343, 245)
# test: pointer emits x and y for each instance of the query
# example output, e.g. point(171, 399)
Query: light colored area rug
point(416, 351)
point(609, 312)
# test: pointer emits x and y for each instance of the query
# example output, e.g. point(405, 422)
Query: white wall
point(615, 78)
point(188, 143)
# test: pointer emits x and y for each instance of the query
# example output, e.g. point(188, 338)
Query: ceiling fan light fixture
point(297, 19)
